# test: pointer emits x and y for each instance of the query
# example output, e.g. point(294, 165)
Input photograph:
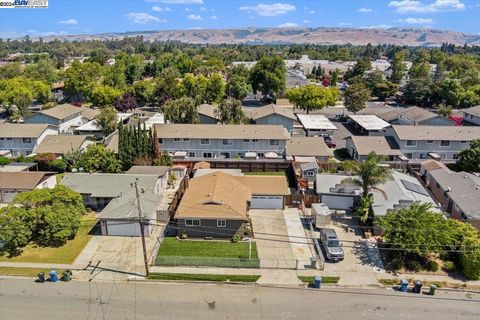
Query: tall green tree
point(398, 67)
point(356, 97)
point(103, 96)
point(107, 120)
point(469, 159)
point(80, 77)
point(238, 87)
point(230, 111)
point(98, 158)
point(183, 110)
point(269, 76)
point(312, 97)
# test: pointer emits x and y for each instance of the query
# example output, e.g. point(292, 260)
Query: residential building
point(21, 138)
point(222, 141)
point(472, 115)
point(162, 173)
point(111, 142)
point(457, 192)
point(272, 114)
point(13, 183)
point(359, 147)
point(439, 142)
point(316, 125)
point(61, 144)
point(308, 147)
point(217, 204)
point(206, 114)
point(368, 124)
point(416, 116)
point(113, 196)
point(65, 117)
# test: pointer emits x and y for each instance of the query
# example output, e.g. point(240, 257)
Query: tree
point(356, 97)
point(269, 76)
point(15, 229)
point(359, 69)
point(444, 111)
point(126, 103)
point(107, 120)
point(238, 87)
point(44, 70)
point(418, 91)
point(215, 89)
point(98, 158)
point(334, 77)
point(103, 96)
point(398, 68)
point(312, 97)
point(21, 92)
point(230, 111)
point(80, 77)
point(143, 91)
point(183, 110)
point(469, 159)
point(385, 90)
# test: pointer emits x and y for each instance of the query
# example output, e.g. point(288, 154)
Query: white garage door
point(267, 202)
point(337, 202)
point(123, 229)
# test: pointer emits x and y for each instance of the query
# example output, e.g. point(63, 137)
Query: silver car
point(331, 244)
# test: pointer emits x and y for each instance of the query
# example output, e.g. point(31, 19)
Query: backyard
point(175, 252)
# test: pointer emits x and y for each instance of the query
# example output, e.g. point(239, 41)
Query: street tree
point(312, 97)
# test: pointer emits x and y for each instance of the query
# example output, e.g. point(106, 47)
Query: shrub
point(4, 161)
point(236, 238)
point(397, 264)
point(57, 165)
point(432, 266)
point(449, 266)
point(43, 160)
point(413, 265)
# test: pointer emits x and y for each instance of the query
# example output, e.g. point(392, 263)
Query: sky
point(101, 16)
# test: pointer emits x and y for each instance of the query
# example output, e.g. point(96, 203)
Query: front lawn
point(65, 254)
point(173, 252)
point(27, 272)
point(203, 277)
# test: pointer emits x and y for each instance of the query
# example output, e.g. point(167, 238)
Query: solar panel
point(414, 187)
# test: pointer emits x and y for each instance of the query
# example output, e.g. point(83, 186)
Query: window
point(246, 140)
point(274, 142)
point(204, 141)
point(429, 141)
point(9, 139)
point(160, 140)
point(423, 156)
point(444, 143)
point(191, 154)
point(310, 173)
point(1, 139)
point(254, 140)
point(186, 139)
point(409, 155)
point(411, 143)
point(227, 142)
point(192, 222)
point(455, 156)
point(261, 154)
point(463, 141)
point(176, 139)
point(221, 223)
point(207, 154)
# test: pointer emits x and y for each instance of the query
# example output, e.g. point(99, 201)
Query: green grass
point(325, 280)
point(265, 173)
point(175, 252)
point(203, 277)
point(26, 272)
point(65, 254)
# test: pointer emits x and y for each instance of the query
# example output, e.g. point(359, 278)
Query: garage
point(337, 202)
point(122, 228)
point(266, 202)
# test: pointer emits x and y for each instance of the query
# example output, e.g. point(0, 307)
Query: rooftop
point(24, 180)
point(62, 111)
point(60, 144)
point(270, 109)
point(22, 130)
point(473, 110)
point(316, 122)
point(155, 170)
point(369, 121)
point(364, 145)
point(307, 147)
point(111, 142)
point(224, 131)
point(207, 110)
point(415, 114)
point(451, 133)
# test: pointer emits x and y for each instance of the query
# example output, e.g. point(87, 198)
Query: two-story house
point(222, 141)
point(472, 115)
point(64, 117)
point(272, 114)
point(21, 138)
point(416, 116)
point(438, 142)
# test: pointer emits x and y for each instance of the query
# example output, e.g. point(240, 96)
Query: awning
point(180, 154)
point(271, 155)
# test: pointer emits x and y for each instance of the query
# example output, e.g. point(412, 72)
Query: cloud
point(416, 21)
point(311, 12)
point(345, 24)
point(214, 17)
point(188, 9)
point(177, 1)
point(411, 6)
point(69, 22)
point(143, 18)
point(194, 17)
point(203, 9)
point(288, 25)
point(160, 9)
point(269, 10)
point(365, 10)
point(306, 21)
point(378, 26)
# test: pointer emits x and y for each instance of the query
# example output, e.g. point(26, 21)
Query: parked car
point(331, 245)
point(329, 142)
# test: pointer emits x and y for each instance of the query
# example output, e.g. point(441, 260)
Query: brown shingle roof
point(378, 144)
point(89, 113)
point(62, 111)
point(154, 170)
point(21, 130)
point(451, 133)
point(207, 110)
point(270, 109)
point(415, 114)
point(22, 180)
point(60, 144)
point(307, 147)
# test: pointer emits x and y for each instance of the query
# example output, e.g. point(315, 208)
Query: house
point(61, 144)
point(162, 173)
point(472, 115)
point(217, 204)
point(13, 183)
point(272, 114)
point(359, 147)
point(64, 117)
point(368, 124)
point(316, 125)
point(416, 116)
point(93, 129)
point(113, 196)
point(457, 192)
point(439, 142)
point(206, 114)
point(399, 192)
point(111, 142)
point(308, 147)
point(21, 138)
point(221, 141)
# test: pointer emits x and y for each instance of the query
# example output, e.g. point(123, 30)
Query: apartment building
point(64, 117)
point(22, 139)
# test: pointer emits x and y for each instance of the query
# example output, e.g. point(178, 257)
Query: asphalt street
point(24, 299)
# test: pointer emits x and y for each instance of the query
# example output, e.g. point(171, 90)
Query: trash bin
point(53, 276)
point(404, 285)
point(318, 282)
point(67, 275)
point(313, 262)
point(433, 288)
point(41, 277)
point(417, 288)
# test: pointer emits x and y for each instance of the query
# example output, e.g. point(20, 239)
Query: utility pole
point(142, 231)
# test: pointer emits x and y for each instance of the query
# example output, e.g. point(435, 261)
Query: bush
point(22, 158)
point(413, 265)
point(4, 161)
point(57, 165)
point(397, 264)
point(449, 266)
point(432, 266)
point(43, 160)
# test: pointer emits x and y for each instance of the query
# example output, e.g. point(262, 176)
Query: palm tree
point(368, 175)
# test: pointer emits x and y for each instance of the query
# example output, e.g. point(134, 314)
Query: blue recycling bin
point(318, 282)
point(404, 285)
point(53, 276)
